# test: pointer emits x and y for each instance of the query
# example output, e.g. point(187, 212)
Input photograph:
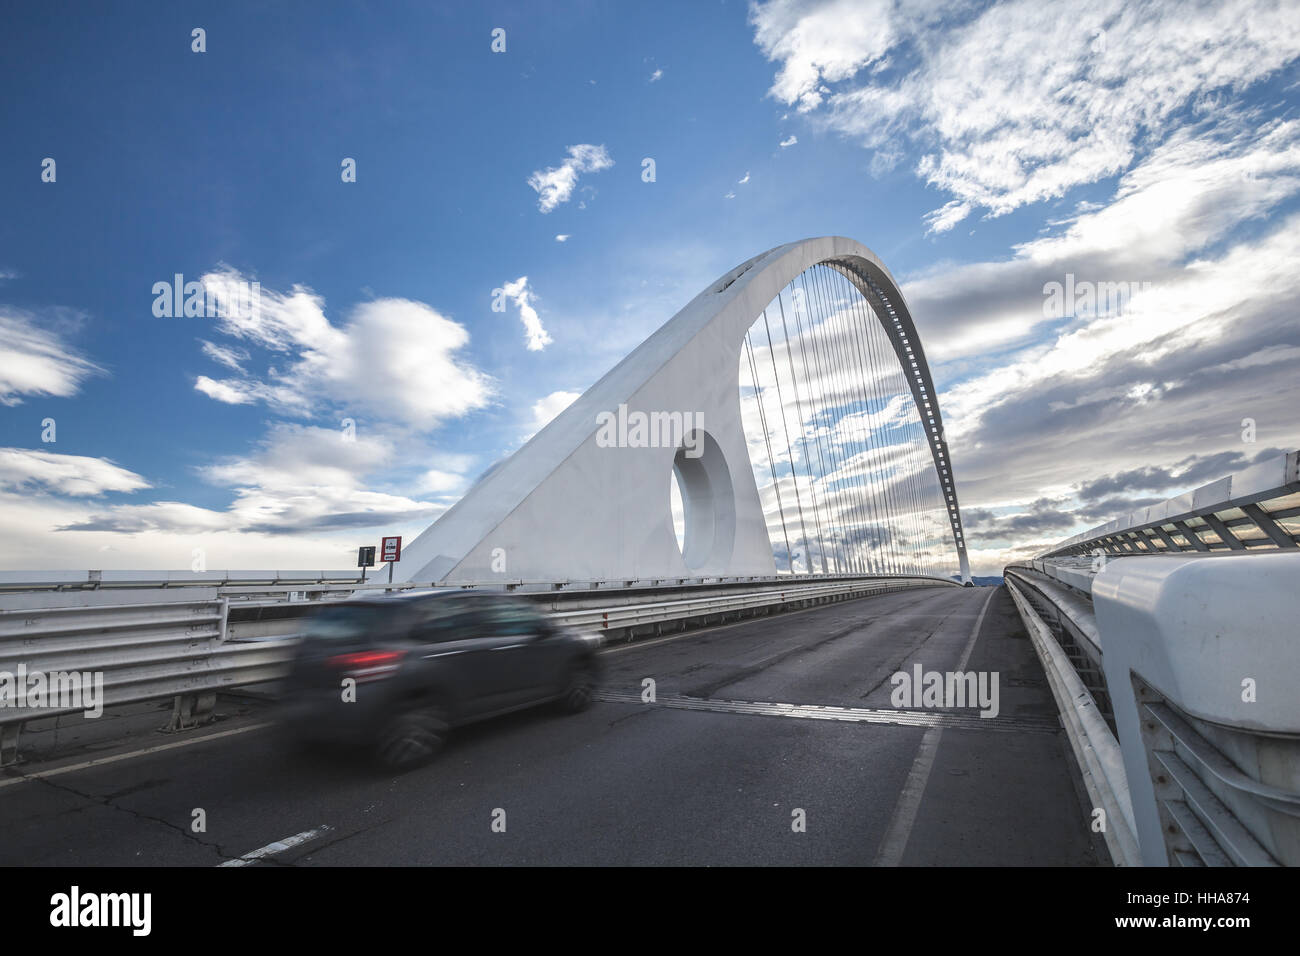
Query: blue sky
point(980, 150)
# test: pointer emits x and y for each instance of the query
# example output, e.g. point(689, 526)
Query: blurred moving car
point(394, 673)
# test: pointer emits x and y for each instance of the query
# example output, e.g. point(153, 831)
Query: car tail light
point(365, 666)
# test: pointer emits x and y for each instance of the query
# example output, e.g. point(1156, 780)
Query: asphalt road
point(741, 745)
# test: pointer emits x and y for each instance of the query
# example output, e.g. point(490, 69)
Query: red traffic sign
point(390, 549)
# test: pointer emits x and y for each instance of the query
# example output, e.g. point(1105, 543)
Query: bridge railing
point(191, 643)
point(1179, 624)
point(1255, 509)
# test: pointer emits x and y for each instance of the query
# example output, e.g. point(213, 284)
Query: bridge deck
point(710, 774)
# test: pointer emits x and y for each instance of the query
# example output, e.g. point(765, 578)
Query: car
point(394, 673)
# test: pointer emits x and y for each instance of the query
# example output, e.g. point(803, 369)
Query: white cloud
point(656, 75)
point(1188, 195)
point(23, 469)
point(322, 487)
point(742, 182)
point(1018, 101)
point(563, 237)
point(35, 358)
point(731, 194)
point(223, 355)
point(523, 297)
point(789, 141)
point(554, 185)
point(547, 408)
point(382, 359)
point(941, 220)
point(231, 392)
point(820, 42)
point(440, 482)
point(299, 479)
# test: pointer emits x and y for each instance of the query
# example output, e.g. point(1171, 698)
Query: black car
point(395, 673)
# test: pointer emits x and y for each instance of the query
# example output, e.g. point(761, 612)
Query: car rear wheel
point(579, 689)
point(411, 737)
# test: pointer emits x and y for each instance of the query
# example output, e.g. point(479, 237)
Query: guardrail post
point(9, 743)
point(191, 710)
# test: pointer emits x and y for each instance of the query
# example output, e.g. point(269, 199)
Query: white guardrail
point(182, 642)
point(1196, 695)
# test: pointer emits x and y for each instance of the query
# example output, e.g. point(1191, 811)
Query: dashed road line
point(279, 846)
point(899, 831)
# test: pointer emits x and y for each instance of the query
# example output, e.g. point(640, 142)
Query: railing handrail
point(1271, 478)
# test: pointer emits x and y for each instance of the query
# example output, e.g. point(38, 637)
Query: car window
point(347, 623)
point(510, 618)
point(446, 619)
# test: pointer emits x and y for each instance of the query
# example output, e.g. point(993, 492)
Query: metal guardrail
point(95, 580)
point(77, 657)
point(1254, 509)
point(270, 583)
point(1199, 663)
point(1201, 829)
point(1210, 724)
point(1067, 613)
point(629, 617)
point(1096, 750)
point(144, 648)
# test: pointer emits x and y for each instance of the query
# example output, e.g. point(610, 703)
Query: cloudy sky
point(983, 151)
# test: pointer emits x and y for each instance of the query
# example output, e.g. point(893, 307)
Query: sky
point(387, 177)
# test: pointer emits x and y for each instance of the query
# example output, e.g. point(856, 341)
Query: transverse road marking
point(279, 846)
point(867, 715)
point(909, 800)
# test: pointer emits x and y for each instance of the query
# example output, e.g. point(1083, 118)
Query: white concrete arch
point(565, 507)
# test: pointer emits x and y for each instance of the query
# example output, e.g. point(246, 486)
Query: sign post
point(365, 559)
point(390, 550)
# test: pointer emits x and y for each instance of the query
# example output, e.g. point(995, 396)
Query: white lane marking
point(867, 715)
point(909, 800)
point(696, 632)
point(279, 846)
point(100, 761)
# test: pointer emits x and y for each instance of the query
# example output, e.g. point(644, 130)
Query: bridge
point(757, 510)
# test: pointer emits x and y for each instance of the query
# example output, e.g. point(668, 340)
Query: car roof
point(412, 597)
